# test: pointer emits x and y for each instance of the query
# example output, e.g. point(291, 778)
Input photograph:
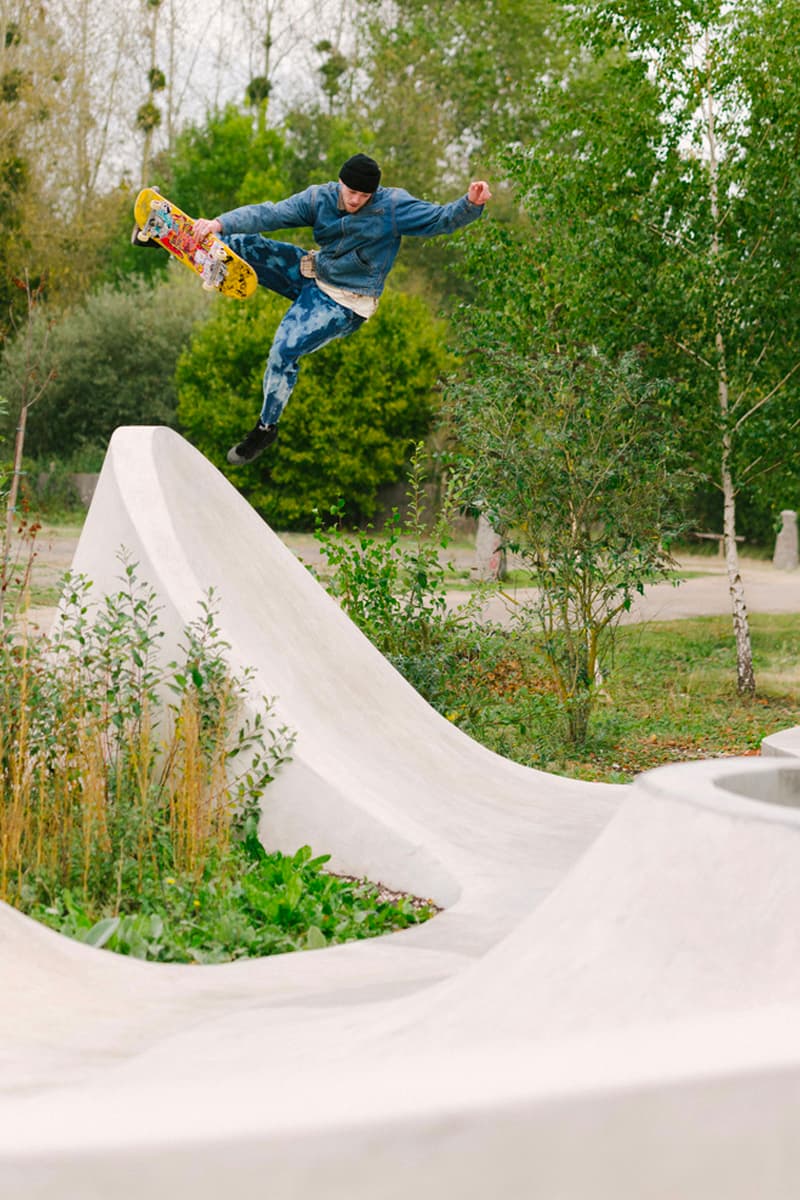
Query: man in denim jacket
point(358, 226)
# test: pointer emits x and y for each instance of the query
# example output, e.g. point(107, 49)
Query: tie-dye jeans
point(312, 321)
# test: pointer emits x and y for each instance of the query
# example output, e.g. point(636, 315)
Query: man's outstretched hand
point(479, 192)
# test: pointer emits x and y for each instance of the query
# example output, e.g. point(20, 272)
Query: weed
point(130, 793)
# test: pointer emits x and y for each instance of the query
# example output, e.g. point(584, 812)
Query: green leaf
point(315, 939)
point(100, 933)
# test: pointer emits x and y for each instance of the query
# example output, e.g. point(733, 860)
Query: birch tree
point(664, 203)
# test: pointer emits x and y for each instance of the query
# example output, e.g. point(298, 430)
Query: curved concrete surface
point(608, 1007)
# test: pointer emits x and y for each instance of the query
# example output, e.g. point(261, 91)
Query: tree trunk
point(745, 678)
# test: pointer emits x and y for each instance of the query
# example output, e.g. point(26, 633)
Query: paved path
point(703, 593)
point(698, 595)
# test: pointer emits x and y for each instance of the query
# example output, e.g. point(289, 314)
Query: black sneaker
point(250, 447)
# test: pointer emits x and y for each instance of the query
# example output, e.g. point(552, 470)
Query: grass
point(668, 695)
point(677, 685)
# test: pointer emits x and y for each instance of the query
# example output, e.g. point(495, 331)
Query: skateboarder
point(358, 226)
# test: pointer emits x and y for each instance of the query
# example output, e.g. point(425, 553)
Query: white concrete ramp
point(607, 1007)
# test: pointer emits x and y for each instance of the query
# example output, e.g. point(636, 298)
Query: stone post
point(785, 557)
point(489, 552)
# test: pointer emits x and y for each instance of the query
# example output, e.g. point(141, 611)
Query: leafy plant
point(394, 586)
point(115, 765)
point(130, 794)
point(266, 904)
point(109, 362)
point(572, 463)
point(359, 404)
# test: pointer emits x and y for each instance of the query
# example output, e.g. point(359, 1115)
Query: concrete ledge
point(784, 744)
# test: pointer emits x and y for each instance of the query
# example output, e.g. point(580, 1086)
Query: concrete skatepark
point(607, 1007)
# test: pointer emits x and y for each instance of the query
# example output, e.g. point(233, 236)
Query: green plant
point(570, 458)
point(115, 765)
point(266, 904)
point(395, 586)
point(130, 794)
point(358, 405)
point(108, 362)
point(669, 697)
point(664, 219)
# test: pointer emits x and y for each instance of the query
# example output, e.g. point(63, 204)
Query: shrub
point(394, 587)
point(130, 795)
point(572, 460)
point(113, 360)
point(104, 780)
point(359, 404)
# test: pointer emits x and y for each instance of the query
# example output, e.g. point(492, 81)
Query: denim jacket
point(356, 250)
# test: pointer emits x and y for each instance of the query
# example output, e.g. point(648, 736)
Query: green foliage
point(104, 778)
point(453, 79)
point(130, 795)
point(669, 698)
point(570, 460)
point(318, 143)
point(227, 161)
point(640, 237)
point(394, 587)
point(113, 361)
point(267, 904)
point(672, 697)
point(23, 74)
point(358, 405)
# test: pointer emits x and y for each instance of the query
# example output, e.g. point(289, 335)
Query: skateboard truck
point(159, 223)
point(214, 267)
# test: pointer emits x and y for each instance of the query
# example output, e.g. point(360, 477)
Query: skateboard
point(220, 270)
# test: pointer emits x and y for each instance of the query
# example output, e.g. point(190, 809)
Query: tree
point(26, 48)
point(359, 404)
point(567, 457)
point(442, 86)
point(223, 162)
point(112, 362)
point(449, 81)
point(32, 382)
point(664, 206)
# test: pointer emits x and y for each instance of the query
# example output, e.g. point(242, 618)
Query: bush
point(103, 781)
point(130, 795)
point(394, 588)
point(571, 460)
point(358, 406)
point(112, 360)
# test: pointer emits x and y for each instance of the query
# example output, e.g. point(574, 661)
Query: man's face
point(351, 200)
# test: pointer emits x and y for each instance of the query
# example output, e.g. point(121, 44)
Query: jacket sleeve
point(418, 218)
point(294, 212)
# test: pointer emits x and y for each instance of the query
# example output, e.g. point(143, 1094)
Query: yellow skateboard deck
point(221, 270)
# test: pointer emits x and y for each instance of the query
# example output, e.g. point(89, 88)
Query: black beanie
point(361, 173)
